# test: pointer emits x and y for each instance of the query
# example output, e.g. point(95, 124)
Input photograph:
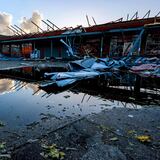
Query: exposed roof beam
point(94, 21)
point(20, 29)
point(157, 14)
point(135, 16)
point(119, 20)
point(53, 24)
point(127, 17)
point(15, 33)
point(37, 26)
point(88, 20)
point(16, 30)
point(48, 25)
point(147, 14)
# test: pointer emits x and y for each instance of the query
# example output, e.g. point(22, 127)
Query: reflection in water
point(24, 103)
point(6, 86)
point(34, 88)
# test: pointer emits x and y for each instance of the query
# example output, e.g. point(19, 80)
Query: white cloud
point(5, 20)
point(28, 26)
point(25, 23)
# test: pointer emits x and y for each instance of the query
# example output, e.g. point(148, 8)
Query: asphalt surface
point(111, 134)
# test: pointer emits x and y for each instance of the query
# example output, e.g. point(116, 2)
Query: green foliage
point(52, 152)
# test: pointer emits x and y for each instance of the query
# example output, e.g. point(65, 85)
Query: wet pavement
point(21, 63)
point(111, 134)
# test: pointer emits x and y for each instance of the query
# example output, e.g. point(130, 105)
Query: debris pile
point(147, 67)
point(89, 68)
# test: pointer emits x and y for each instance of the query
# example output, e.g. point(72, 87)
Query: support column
point(1, 46)
point(137, 86)
point(33, 46)
point(10, 49)
point(51, 48)
point(20, 50)
point(101, 51)
point(107, 43)
point(143, 44)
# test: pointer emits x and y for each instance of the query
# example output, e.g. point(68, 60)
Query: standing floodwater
point(28, 113)
point(22, 103)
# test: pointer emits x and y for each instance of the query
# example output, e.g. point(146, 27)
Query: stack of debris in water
point(147, 67)
point(90, 68)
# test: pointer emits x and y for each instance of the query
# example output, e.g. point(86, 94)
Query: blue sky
point(72, 12)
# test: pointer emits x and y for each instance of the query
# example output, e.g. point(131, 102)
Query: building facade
point(139, 36)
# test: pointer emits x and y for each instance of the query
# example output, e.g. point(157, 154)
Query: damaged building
point(115, 39)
